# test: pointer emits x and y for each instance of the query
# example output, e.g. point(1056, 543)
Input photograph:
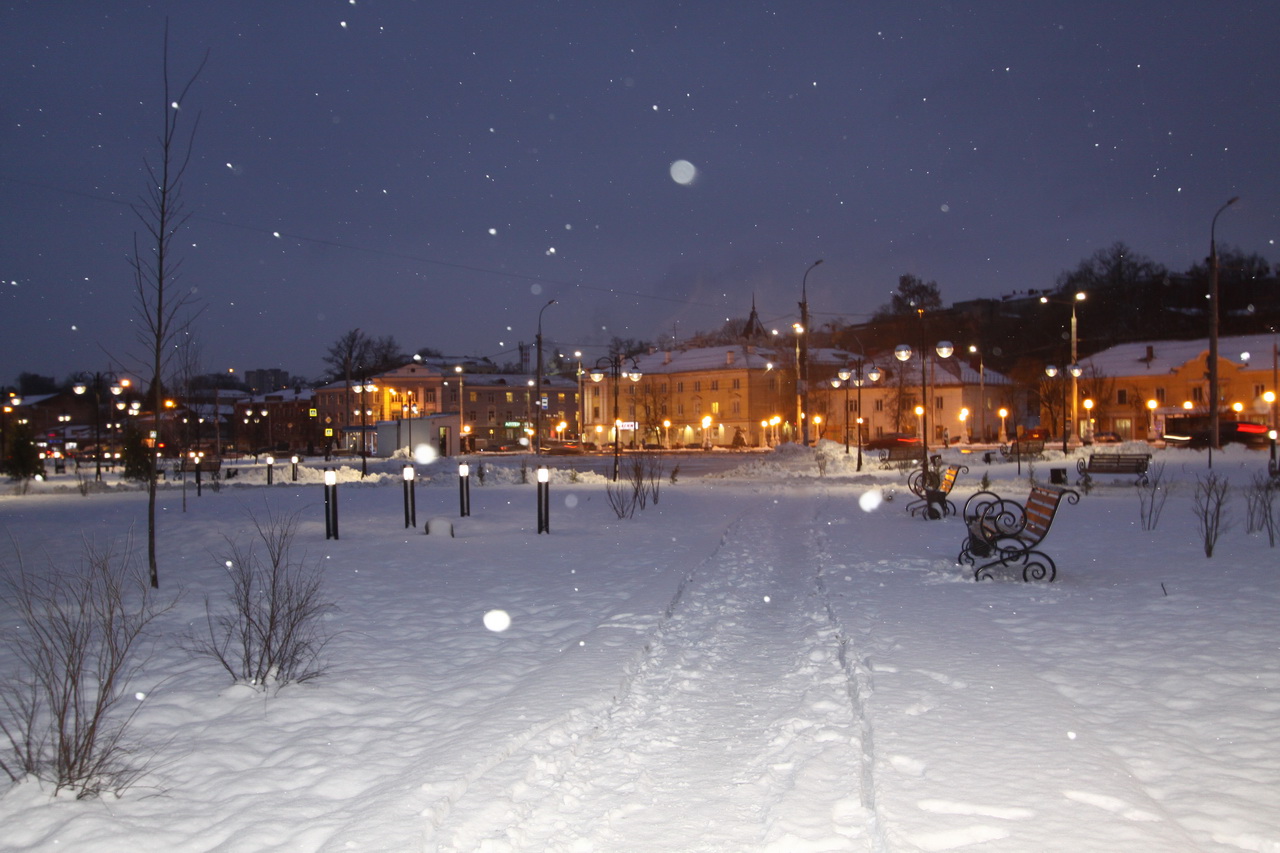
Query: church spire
point(754, 329)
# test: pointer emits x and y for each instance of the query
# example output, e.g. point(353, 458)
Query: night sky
point(438, 171)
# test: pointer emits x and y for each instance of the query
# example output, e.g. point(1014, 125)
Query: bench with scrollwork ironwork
point(1026, 448)
point(903, 454)
point(1115, 463)
point(1004, 534)
point(932, 492)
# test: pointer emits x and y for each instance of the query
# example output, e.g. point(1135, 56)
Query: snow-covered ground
point(767, 659)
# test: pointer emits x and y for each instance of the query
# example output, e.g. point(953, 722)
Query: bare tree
point(162, 313)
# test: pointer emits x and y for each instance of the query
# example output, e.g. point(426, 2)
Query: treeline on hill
point(1129, 297)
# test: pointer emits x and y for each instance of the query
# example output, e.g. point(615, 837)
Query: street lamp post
point(614, 364)
point(461, 404)
point(1051, 371)
point(367, 387)
point(97, 382)
point(982, 393)
point(1214, 442)
point(843, 375)
point(6, 424)
point(872, 375)
point(802, 355)
point(903, 353)
point(1074, 367)
point(537, 428)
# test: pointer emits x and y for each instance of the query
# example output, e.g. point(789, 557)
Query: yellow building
point(1134, 387)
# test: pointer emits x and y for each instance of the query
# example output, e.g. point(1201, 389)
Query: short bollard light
point(294, 460)
point(544, 502)
point(410, 498)
point(464, 489)
point(1272, 435)
point(330, 504)
point(271, 465)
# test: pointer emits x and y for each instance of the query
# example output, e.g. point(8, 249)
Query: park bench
point(1134, 464)
point(211, 465)
point(899, 454)
point(1006, 534)
point(1024, 448)
point(932, 493)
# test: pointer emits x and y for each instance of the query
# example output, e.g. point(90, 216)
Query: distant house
point(1134, 387)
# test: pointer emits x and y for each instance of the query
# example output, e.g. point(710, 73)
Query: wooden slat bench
point(932, 498)
point(1135, 464)
point(1024, 448)
point(1003, 533)
point(897, 455)
point(211, 465)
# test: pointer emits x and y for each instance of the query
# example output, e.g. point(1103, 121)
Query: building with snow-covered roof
point(1135, 387)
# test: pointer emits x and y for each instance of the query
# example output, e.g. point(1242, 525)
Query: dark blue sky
point(437, 171)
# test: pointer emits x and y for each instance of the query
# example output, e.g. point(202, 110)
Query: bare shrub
point(78, 653)
point(1211, 498)
point(653, 475)
point(622, 498)
point(271, 631)
point(643, 480)
point(1261, 513)
point(1152, 494)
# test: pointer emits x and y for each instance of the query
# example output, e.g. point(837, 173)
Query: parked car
point(561, 448)
point(893, 439)
point(1238, 432)
point(1106, 438)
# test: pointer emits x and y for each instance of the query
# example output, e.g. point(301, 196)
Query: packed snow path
point(739, 728)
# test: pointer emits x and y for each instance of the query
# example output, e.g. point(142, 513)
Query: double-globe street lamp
point(368, 386)
point(614, 365)
point(1074, 367)
point(98, 383)
point(903, 353)
point(854, 375)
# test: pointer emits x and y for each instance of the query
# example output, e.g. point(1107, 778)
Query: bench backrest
point(1042, 505)
point(1136, 462)
point(949, 479)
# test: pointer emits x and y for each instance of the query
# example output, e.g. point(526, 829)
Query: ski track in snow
point(713, 721)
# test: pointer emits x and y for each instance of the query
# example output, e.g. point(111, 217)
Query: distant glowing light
point(497, 620)
point(551, 250)
point(343, 25)
point(275, 234)
point(683, 172)
point(493, 232)
point(174, 104)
